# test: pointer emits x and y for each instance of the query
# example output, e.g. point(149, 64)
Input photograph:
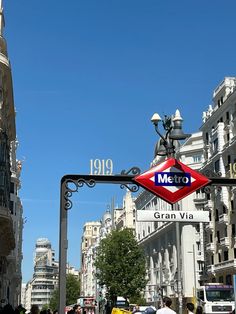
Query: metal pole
point(179, 283)
point(195, 274)
point(62, 251)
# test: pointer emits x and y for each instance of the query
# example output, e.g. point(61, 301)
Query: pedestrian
point(34, 309)
point(166, 307)
point(135, 309)
point(199, 310)
point(150, 310)
point(190, 308)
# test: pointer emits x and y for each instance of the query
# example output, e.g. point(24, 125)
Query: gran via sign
point(177, 215)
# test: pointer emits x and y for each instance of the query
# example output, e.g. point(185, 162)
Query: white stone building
point(45, 278)
point(90, 237)
point(219, 135)
point(124, 217)
point(159, 239)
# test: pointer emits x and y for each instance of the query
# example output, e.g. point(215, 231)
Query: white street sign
point(177, 215)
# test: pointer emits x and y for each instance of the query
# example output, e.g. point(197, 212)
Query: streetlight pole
point(166, 147)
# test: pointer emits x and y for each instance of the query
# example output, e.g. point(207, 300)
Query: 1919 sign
point(101, 166)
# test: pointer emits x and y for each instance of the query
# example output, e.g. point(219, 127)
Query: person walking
point(199, 310)
point(34, 309)
point(166, 307)
point(190, 308)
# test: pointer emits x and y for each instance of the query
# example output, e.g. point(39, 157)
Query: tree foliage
point(72, 292)
point(120, 264)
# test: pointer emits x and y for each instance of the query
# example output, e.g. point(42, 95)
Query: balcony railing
point(226, 265)
point(223, 218)
point(209, 226)
point(210, 247)
point(210, 269)
point(224, 241)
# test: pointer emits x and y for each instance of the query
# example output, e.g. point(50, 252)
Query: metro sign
point(171, 180)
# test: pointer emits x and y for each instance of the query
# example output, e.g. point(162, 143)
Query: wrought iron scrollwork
point(90, 183)
point(211, 173)
point(71, 183)
point(130, 187)
point(208, 189)
point(132, 171)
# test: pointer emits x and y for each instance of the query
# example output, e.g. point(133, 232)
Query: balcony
point(209, 226)
point(210, 247)
point(200, 199)
point(224, 242)
point(210, 269)
point(209, 205)
point(7, 238)
point(226, 265)
point(223, 218)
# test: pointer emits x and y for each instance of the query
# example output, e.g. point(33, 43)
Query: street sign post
point(177, 215)
point(171, 180)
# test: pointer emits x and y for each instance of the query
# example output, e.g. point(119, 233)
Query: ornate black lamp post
point(166, 147)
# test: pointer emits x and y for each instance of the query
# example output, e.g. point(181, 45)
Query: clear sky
point(88, 75)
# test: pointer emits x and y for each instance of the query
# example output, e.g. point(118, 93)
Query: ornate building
point(219, 134)
point(11, 223)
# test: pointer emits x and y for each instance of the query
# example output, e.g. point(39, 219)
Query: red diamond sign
point(171, 180)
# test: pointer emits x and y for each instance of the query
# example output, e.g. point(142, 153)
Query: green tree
point(120, 264)
point(72, 292)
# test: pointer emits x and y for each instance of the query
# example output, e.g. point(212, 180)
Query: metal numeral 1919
point(101, 166)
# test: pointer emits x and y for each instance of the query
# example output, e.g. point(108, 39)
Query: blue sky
point(88, 75)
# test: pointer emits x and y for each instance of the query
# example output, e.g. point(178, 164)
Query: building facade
point(11, 223)
point(219, 134)
point(89, 242)
point(45, 277)
point(124, 217)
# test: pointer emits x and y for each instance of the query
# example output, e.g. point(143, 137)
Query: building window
point(227, 115)
point(211, 238)
point(221, 279)
point(217, 215)
point(207, 138)
point(11, 207)
point(219, 257)
point(212, 260)
point(227, 137)
point(226, 255)
point(12, 188)
point(149, 229)
point(217, 166)
point(232, 205)
point(197, 158)
point(218, 236)
point(233, 230)
point(228, 280)
point(224, 209)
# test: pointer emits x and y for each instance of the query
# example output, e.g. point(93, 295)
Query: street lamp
point(166, 146)
point(168, 142)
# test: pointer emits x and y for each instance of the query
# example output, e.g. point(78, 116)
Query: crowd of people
point(8, 309)
point(166, 308)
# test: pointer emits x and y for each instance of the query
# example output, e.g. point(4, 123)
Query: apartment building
point(219, 135)
point(90, 238)
point(45, 277)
